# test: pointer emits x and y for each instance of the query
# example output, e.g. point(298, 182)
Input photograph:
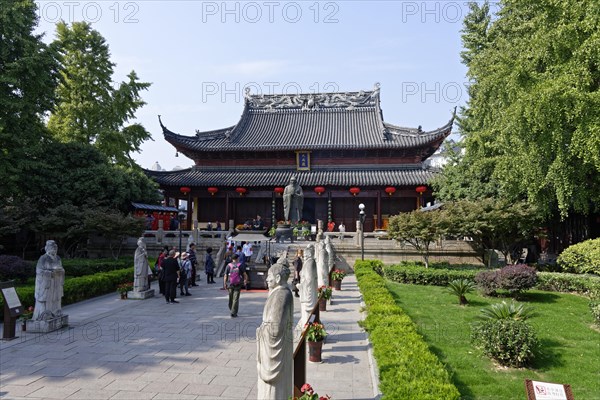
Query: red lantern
point(278, 190)
point(319, 190)
point(185, 190)
point(421, 189)
point(212, 190)
point(241, 190)
point(354, 191)
point(390, 190)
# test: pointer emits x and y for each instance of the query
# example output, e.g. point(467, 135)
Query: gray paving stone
point(52, 392)
point(16, 390)
point(92, 394)
point(130, 385)
point(127, 395)
point(171, 396)
point(165, 387)
point(204, 390)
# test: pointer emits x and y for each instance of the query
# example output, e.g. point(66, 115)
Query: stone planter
point(322, 304)
point(337, 285)
point(314, 351)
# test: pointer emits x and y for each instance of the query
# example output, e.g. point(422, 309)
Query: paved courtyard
point(132, 349)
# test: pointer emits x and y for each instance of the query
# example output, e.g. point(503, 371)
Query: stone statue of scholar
point(293, 201)
point(141, 267)
point(308, 284)
point(274, 338)
point(49, 281)
point(322, 265)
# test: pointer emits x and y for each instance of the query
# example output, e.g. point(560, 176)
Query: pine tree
point(90, 109)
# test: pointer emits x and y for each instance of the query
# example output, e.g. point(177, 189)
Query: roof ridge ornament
point(312, 101)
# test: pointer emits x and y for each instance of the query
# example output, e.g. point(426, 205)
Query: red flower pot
point(314, 351)
point(322, 304)
point(337, 285)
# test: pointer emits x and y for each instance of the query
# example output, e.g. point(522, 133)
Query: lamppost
point(181, 216)
point(361, 216)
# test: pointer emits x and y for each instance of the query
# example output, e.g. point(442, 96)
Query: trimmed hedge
point(407, 368)
point(418, 275)
point(83, 266)
point(79, 289)
point(581, 258)
point(568, 283)
point(549, 281)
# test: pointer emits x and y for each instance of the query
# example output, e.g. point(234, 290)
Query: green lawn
point(569, 351)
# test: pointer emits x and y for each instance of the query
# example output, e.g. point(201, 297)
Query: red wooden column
point(379, 221)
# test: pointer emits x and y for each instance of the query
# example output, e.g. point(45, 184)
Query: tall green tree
point(91, 107)
point(533, 120)
point(28, 78)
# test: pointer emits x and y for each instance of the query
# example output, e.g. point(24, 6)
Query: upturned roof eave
point(186, 144)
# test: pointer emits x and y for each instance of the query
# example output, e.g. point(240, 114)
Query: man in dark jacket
point(170, 276)
point(194, 260)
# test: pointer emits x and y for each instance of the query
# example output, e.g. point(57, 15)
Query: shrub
point(581, 258)
point(460, 287)
point(595, 304)
point(516, 278)
point(504, 310)
point(13, 267)
point(81, 267)
point(487, 282)
point(569, 283)
point(509, 342)
point(406, 371)
point(419, 275)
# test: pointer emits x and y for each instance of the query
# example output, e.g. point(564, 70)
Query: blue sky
point(200, 55)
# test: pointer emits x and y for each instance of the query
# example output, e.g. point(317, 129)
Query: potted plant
point(27, 314)
point(315, 334)
point(337, 275)
point(308, 393)
point(123, 288)
point(324, 296)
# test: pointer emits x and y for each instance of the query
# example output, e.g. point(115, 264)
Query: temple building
point(337, 145)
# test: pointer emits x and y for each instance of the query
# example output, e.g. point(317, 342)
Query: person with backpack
point(186, 274)
point(209, 266)
point(235, 277)
point(194, 261)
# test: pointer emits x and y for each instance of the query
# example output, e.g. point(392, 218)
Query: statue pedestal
point(49, 325)
point(283, 232)
point(143, 295)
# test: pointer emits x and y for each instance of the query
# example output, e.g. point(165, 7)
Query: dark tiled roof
point(351, 120)
point(255, 177)
point(153, 207)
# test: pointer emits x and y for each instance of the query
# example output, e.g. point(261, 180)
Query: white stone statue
point(140, 274)
point(49, 282)
point(308, 284)
point(330, 254)
point(322, 271)
point(274, 338)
